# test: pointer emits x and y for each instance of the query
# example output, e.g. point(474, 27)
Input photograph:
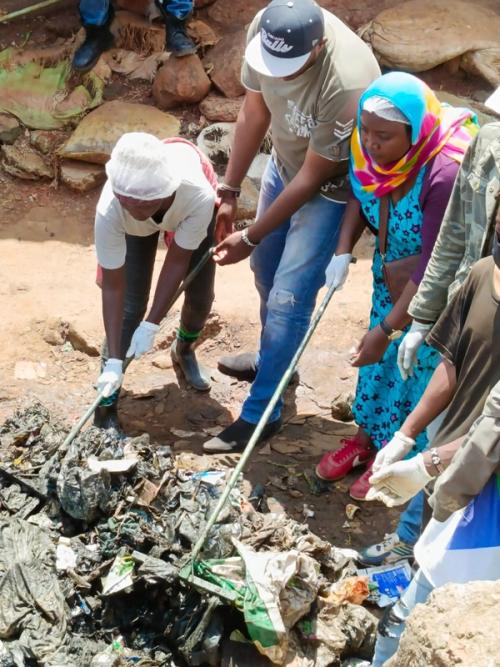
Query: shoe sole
point(242, 376)
point(238, 449)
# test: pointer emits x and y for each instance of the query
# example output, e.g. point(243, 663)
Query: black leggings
point(139, 264)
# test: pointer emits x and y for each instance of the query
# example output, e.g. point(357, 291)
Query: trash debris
point(387, 582)
point(350, 511)
point(307, 512)
point(93, 542)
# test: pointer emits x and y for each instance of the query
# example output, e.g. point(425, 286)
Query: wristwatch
point(392, 334)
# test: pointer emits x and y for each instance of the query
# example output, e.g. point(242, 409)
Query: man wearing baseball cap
point(304, 72)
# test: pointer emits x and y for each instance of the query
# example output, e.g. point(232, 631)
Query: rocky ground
point(51, 326)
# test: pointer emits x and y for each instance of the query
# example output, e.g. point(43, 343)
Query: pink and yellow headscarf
point(434, 128)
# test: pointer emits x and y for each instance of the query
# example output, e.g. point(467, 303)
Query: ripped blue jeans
point(289, 268)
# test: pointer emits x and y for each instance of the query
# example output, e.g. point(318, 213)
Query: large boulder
point(223, 63)
point(216, 108)
point(180, 81)
point(457, 626)
point(421, 34)
point(94, 139)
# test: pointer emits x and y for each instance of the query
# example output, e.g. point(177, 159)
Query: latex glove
point(407, 352)
point(143, 339)
point(395, 450)
point(399, 482)
point(337, 271)
point(111, 377)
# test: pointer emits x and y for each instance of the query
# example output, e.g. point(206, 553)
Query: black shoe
point(183, 355)
point(178, 41)
point(106, 416)
point(97, 40)
point(240, 366)
point(234, 438)
point(243, 367)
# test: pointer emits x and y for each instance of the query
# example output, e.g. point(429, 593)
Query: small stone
point(247, 201)
point(25, 163)
point(180, 81)
point(218, 108)
point(341, 407)
point(202, 34)
point(10, 129)
point(46, 141)
point(82, 176)
point(80, 341)
point(30, 370)
point(163, 362)
point(224, 61)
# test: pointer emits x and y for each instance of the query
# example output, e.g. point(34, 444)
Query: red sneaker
point(361, 486)
point(337, 464)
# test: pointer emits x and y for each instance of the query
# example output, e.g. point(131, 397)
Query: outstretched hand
point(232, 250)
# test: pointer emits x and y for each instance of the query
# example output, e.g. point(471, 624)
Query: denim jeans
point(96, 12)
point(393, 622)
point(289, 269)
point(139, 264)
point(410, 522)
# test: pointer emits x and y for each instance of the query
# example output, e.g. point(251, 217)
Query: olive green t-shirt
point(468, 335)
point(318, 108)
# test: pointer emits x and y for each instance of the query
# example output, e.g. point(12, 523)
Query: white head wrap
point(139, 167)
point(383, 108)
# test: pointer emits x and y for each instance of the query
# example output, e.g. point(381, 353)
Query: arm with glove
point(174, 270)
point(353, 225)
point(395, 481)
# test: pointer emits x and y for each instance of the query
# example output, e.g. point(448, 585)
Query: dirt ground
point(47, 274)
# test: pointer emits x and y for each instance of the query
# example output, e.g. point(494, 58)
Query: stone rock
point(136, 33)
point(53, 331)
point(457, 626)
point(30, 370)
point(247, 201)
point(235, 13)
point(46, 141)
point(258, 167)
point(341, 407)
point(94, 138)
point(203, 34)
point(216, 141)
point(9, 129)
point(418, 35)
point(25, 163)
point(81, 341)
point(218, 108)
point(180, 81)
point(223, 63)
point(82, 176)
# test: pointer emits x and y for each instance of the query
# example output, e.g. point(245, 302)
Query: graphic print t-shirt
point(318, 108)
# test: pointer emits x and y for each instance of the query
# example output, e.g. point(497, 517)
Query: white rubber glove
point(407, 352)
point(143, 339)
point(337, 271)
point(399, 482)
point(111, 377)
point(395, 450)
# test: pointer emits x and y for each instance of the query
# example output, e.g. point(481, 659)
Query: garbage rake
point(188, 572)
point(90, 410)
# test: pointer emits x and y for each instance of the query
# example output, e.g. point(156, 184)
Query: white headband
point(385, 109)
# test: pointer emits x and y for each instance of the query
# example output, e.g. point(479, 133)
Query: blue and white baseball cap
point(289, 31)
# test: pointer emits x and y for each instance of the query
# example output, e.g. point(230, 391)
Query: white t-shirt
point(189, 216)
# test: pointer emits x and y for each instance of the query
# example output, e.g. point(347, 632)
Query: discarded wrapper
point(387, 582)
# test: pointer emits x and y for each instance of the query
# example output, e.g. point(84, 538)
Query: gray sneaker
point(390, 550)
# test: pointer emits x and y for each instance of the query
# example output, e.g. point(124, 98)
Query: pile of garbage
point(95, 547)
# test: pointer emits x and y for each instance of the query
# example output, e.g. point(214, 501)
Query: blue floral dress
point(383, 400)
